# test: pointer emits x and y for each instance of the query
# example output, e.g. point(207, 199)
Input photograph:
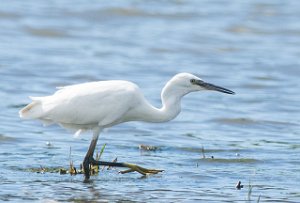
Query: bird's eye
point(193, 81)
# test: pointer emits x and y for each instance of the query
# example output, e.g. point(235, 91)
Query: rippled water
point(250, 47)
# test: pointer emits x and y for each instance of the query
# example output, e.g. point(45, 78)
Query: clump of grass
point(72, 169)
point(43, 170)
point(95, 168)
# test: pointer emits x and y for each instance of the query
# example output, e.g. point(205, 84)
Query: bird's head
point(186, 82)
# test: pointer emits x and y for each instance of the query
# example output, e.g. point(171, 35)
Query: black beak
point(210, 86)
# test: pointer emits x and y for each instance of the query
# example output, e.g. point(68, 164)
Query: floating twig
point(203, 152)
point(147, 147)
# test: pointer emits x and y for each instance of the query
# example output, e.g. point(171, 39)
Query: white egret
point(98, 105)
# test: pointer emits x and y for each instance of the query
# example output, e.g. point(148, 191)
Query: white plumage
point(107, 103)
point(98, 105)
point(86, 105)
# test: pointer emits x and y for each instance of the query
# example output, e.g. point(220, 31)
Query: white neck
point(171, 106)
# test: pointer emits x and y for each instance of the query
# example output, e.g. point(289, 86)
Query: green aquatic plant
point(94, 169)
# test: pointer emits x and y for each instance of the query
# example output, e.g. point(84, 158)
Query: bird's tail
point(33, 110)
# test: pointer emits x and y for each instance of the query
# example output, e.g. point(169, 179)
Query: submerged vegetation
point(95, 169)
point(72, 170)
point(236, 159)
point(148, 147)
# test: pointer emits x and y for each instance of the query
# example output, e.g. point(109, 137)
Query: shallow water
point(249, 47)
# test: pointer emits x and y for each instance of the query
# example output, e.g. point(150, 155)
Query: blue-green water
point(250, 47)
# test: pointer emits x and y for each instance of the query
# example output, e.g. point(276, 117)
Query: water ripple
point(251, 47)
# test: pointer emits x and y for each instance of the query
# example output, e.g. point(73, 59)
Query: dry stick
point(203, 152)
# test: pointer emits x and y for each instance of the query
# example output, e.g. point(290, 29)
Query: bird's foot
point(89, 163)
point(139, 169)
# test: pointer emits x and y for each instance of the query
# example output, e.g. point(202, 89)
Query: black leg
point(89, 159)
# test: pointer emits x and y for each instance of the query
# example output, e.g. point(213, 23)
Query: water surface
point(249, 47)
